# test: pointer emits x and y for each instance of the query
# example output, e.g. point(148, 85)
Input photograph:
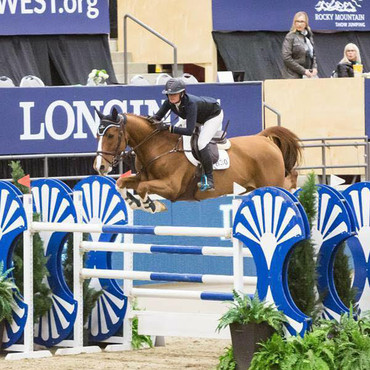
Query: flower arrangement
point(97, 77)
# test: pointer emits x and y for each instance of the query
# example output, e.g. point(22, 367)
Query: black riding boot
point(206, 160)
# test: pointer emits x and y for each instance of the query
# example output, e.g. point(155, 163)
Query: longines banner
point(272, 15)
point(49, 17)
point(63, 119)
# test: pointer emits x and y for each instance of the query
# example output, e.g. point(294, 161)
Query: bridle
point(126, 156)
point(105, 124)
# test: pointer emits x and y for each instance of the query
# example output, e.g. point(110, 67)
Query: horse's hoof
point(159, 206)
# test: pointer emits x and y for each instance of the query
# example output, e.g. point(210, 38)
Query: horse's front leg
point(160, 187)
point(131, 182)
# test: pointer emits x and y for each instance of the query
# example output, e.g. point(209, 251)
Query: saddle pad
point(223, 161)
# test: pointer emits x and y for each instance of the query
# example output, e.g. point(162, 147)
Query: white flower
point(103, 74)
point(98, 76)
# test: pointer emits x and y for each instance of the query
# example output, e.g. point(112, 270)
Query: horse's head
point(112, 141)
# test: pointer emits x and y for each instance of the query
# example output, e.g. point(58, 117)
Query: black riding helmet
point(174, 86)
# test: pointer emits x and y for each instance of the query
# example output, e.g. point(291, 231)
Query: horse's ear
point(114, 114)
point(100, 114)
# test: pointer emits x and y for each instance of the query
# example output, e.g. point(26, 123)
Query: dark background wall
point(258, 54)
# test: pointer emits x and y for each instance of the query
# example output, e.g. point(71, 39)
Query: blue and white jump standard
point(267, 224)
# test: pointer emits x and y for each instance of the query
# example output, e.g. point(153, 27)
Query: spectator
point(351, 56)
point(298, 49)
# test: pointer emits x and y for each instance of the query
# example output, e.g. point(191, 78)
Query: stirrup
point(205, 185)
point(202, 181)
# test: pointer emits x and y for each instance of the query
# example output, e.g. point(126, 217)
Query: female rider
point(199, 111)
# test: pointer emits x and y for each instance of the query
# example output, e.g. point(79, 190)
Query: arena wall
point(321, 108)
point(187, 24)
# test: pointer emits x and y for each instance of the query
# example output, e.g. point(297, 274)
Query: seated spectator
point(351, 56)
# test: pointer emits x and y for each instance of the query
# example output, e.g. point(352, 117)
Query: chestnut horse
point(265, 159)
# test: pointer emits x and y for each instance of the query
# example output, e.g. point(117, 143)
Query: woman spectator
point(298, 49)
point(351, 56)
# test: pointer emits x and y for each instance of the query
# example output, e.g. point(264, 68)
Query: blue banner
point(49, 17)
point(271, 15)
point(63, 120)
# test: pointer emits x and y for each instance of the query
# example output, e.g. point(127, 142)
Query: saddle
point(218, 142)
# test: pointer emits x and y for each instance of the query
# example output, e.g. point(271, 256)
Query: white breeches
point(208, 130)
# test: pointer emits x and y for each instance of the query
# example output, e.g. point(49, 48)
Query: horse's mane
point(144, 118)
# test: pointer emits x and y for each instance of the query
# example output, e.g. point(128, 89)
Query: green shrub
point(138, 340)
point(302, 277)
point(226, 360)
point(8, 291)
point(41, 292)
point(330, 345)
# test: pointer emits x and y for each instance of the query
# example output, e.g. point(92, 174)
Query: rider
point(200, 111)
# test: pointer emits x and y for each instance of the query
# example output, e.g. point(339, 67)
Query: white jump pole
point(128, 265)
point(238, 256)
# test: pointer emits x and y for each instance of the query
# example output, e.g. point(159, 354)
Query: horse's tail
point(288, 143)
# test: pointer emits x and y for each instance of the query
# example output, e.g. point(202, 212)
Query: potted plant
point(8, 290)
point(251, 321)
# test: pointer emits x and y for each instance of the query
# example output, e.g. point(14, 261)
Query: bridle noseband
point(104, 125)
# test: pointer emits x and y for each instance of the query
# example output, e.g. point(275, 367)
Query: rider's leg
point(206, 160)
point(207, 132)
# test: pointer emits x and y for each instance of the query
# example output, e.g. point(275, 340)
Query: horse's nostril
point(102, 167)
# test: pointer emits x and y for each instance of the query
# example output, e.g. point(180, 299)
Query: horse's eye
point(110, 136)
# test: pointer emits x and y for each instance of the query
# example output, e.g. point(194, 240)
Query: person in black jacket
point(298, 50)
point(351, 56)
point(199, 111)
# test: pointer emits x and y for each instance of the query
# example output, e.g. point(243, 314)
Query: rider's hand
point(162, 126)
point(153, 120)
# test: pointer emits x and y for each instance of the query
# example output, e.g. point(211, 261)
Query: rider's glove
point(162, 126)
point(153, 120)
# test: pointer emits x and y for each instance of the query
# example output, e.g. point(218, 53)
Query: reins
point(126, 155)
point(175, 149)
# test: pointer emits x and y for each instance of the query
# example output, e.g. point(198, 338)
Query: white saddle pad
point(223, 161)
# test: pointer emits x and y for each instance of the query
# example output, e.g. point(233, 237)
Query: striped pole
point(182, 294)
point(167, 249)
point(163, 276)
point(216, 232)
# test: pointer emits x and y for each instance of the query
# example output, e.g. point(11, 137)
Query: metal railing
point(323, 143)
point(273, 110)
point(46, 158)
point(327, 143)
point(155, 33)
